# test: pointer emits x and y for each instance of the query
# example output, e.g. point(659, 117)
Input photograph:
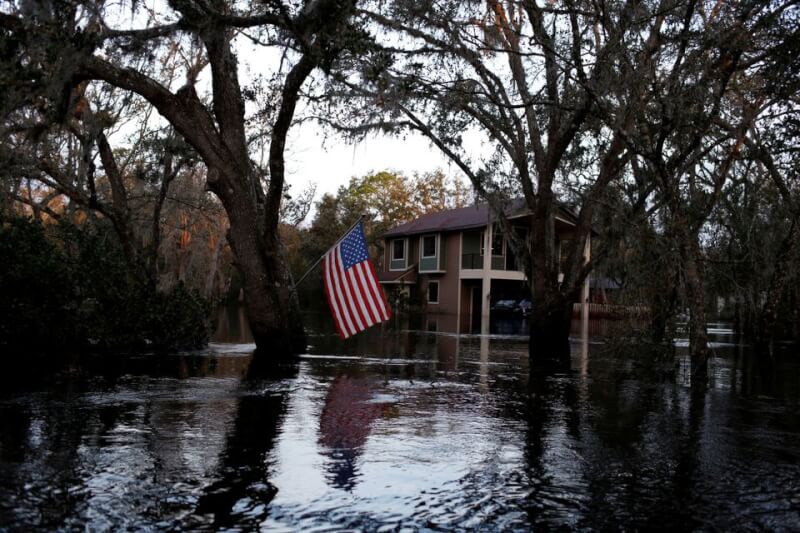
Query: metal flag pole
point(318, 261)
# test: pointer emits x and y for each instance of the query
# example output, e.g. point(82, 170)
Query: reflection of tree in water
point(243, 492)
point(627, 453)
point(552, 400)
point(344, 426)
point(40, 459)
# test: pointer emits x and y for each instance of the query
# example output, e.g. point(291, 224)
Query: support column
point(486, 284)
point(587, 251)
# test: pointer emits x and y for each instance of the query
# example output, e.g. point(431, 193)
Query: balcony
point(499, 262)
point(471, 261)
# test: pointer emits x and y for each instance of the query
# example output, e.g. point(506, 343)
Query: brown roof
point(473, 216)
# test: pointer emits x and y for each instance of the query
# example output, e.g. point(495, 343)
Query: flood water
point(403, 430)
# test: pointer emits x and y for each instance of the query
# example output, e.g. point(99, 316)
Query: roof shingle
point(473, 216)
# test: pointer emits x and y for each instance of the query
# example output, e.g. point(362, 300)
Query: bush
point(38, 297)
point(69, 286)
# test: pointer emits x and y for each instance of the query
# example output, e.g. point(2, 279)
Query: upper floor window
point(398, 250)
point(429, 246)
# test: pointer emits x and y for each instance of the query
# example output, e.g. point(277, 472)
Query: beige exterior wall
point(448, 281)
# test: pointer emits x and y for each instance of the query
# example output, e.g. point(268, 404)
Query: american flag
point(351, 285)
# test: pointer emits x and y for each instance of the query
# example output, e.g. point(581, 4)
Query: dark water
point(403, 431)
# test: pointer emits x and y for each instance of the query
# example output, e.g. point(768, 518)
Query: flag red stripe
point(381, 297)
point(350, 297)
point(347, 323)
point(331, 303)
point(358, 271)
point(343, 318)
point(358, 297)
point(374, 296)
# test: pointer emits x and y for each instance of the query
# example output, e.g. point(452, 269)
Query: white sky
point(331, 162)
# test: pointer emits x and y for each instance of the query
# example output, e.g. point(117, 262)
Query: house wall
point(456, 278)
point(413, 250)
point(449, 280)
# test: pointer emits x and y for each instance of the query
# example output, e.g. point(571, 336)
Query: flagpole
point(318, 261)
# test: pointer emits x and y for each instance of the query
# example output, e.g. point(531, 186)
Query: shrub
point(71, 286)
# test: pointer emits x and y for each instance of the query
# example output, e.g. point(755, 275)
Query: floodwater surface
point(405, 430)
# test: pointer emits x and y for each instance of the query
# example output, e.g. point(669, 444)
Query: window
point(429, 246)
point(433, 292)
point(398, 249)
point(498, 242)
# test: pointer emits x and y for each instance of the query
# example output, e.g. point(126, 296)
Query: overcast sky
point(331, 162)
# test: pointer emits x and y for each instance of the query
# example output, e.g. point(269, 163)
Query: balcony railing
point(475, 261)
point(471, 261)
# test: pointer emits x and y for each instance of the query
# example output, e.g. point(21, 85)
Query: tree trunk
point(551, 312)
point(271, 310)
point(768, 319)
point(218, 134)
point(662, 312)
point(695, 294)
point(549, 332)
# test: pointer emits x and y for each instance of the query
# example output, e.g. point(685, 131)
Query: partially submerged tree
point(53, 51)
point(534, 81)
point(706, 100)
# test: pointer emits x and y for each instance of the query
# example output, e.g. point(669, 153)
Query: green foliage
point(387, 199)
point(38, 293)
point(68, 286)
point(390, 198)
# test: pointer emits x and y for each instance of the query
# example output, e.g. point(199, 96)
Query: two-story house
point(458, 262)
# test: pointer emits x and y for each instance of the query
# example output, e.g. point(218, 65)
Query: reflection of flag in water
point(351, 285)
point(344, 425)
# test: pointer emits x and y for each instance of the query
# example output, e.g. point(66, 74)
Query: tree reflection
point(688, 460)
point(242, 492)
point(41, 464)
point(553, 425)
point(617, 450)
